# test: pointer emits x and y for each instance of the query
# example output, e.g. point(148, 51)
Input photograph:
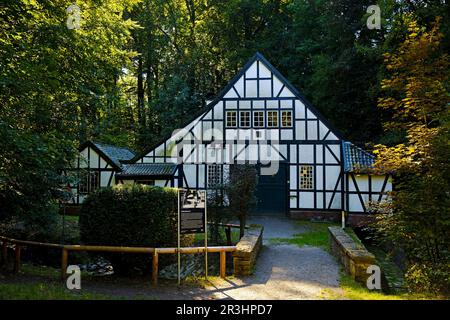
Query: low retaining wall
point(353, 255)
point(247, 250)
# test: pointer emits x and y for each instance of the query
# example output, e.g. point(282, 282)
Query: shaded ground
point(284, 271)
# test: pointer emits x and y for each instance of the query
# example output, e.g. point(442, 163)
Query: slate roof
point(148, 170)
point(115, 154)
point(356, 159)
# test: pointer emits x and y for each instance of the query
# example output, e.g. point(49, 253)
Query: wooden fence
point(66, 249)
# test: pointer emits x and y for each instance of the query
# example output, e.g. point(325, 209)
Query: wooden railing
point(66, 249)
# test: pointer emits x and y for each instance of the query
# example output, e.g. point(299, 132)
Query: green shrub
point(138, 216)
point(431, 278)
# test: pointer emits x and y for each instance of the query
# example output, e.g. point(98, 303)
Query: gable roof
point(257, 57)
point(112, 154)
point(150, 170)
point(356, 159)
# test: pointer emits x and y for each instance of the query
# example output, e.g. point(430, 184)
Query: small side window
point(306, 177)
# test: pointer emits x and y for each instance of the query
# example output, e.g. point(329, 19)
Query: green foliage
point(55, 84)
point(44, 291)
point(29, 181)
point(240, 190)
point(137, 216)
point(429, 277)
point(217, 212)
point(417, 218)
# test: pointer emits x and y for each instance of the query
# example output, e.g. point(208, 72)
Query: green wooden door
point(271, 193)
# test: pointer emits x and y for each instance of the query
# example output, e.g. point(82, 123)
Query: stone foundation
point(247, 250)
point(354, 256)
point(353, 220)
point(332, 216)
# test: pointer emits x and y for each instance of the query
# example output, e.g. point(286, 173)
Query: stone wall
point(353, 255)
point(247, 250)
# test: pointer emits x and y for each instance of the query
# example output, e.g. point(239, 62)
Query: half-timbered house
point(306, 167)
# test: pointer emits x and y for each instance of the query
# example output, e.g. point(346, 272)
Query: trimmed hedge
point(139, 216)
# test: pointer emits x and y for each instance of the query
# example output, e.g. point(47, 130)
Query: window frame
point(255, 121)
point(217, 170)
point(290, 118)
point(86, 185)
point(306, 178)
point(249, 119)
point(269, 121)
point(227, 120)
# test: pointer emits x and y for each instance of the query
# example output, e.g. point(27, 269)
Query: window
point(244, 119)
point(258, 119)
point(286, 118)
point(306, 177)
point(214, 175)
point(89, 182)
point(231, 119)
point(146, 182)
point(272, 118)
point(83, 184)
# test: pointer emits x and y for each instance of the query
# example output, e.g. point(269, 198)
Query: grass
point(44, 291)
point(317, 235)
point(200, 237)
point(352, 290)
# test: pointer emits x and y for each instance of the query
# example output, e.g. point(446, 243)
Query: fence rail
point(155, 252)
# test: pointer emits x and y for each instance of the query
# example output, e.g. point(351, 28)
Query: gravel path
point(283, 271)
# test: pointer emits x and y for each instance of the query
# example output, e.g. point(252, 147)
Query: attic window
point(244, 119)
point(231, 119)
point(258, 119)
point(286, 119)
point(272, 119)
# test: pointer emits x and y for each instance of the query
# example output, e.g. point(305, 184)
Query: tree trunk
point(242, 219)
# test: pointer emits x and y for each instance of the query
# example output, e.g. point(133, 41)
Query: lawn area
point(352, 290)
point(42, 283)
point(200, 237)
point(317, 235)
point(44, 291)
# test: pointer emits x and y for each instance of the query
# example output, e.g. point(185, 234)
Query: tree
point(417, 98)
point(56, 87)
point(241, 192)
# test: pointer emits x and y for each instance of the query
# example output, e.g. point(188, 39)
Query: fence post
point(4, 252)
point(155, 267)
point(223, 264)
point(17, 258)
point(64, 262)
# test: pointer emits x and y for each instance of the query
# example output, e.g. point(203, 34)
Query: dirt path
point(283, 271)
